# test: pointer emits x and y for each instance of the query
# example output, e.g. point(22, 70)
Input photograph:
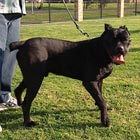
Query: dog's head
point(116, 42)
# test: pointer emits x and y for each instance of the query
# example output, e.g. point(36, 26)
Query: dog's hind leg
point(32, 88)
point(93, 89)
point(18, 91)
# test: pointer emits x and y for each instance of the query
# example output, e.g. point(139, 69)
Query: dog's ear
point(125, 28)
point(107, 27)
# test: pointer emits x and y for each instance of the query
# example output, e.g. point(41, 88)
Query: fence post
point(49, 10)
point(32, 5)
point(136, 5)
point(101, 8)
point(120, 9)
point(79, 10)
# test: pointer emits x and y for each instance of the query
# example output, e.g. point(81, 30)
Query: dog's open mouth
point(119, 59)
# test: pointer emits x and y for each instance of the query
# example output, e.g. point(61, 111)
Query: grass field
point(64, 110)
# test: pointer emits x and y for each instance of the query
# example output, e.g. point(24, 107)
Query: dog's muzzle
point(119, 58)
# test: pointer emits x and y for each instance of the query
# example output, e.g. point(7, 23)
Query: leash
point(77, 26)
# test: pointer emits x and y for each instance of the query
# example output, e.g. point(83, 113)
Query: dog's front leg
point(95, 91)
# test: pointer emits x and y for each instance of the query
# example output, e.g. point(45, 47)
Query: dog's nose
point(120, 49)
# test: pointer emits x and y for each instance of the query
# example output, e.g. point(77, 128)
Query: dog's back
point(52, 46)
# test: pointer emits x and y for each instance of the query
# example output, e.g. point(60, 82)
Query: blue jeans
point(9, 32)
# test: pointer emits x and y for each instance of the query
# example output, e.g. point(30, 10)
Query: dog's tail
point(16, 45)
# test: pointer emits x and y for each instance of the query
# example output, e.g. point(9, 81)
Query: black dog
point(89, 61)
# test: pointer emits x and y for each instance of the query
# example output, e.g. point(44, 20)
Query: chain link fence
point(55, 11)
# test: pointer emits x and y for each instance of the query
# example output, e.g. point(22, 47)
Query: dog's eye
point(123, 39)
point(127, 42)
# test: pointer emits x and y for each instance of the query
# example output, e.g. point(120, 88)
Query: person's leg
point(3, 38)
point(8, 66)
point(9, 61)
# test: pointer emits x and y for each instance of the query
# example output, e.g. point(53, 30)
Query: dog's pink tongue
point(119, 59)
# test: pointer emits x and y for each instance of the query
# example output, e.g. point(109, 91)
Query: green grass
point(64, 110)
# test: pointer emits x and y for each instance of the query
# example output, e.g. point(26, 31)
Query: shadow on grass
point(134, 50)
point(134, 31)
point(68, 111)
point(62, 123)
point(9, 119)
point(80, 125)
point(13, 120)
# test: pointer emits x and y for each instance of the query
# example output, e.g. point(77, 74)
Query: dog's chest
point(104, 72)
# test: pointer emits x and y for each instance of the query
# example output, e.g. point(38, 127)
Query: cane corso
point(89, 61)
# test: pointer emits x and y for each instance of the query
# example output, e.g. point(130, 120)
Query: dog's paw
point(30, 124)
point(105, 122)
point(19, 102)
